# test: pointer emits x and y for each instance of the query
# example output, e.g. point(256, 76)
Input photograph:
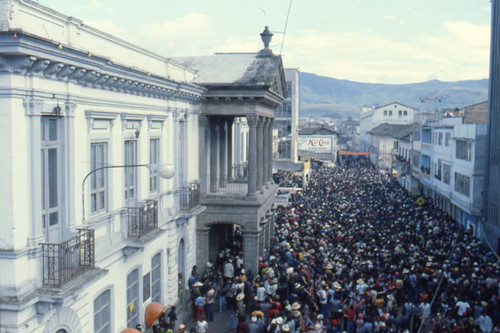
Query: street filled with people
point(355, 253)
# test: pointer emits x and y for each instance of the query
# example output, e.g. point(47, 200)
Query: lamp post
point(165, 171)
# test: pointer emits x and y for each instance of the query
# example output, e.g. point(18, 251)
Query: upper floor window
point(385, 112)
point(464, 150)
point(49, 165)
point(102, 313)
point(446, 173)
point(405, 113)
point(447, 139)
point(130, 158)
point(98, 180)
point(154, 158)
point(400, 113)
point(390, 113)
point(462, 184)
point(440, 139)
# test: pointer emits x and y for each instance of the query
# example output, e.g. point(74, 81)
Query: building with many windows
point(393, 113)
point(467, 175)
point(287, 119)
point(85, 242)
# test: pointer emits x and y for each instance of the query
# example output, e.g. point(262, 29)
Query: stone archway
point(219, 238)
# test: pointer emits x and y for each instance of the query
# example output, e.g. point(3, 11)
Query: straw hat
point(295, 306)
point(198, 284)
point(286, 328)
point(240, 297)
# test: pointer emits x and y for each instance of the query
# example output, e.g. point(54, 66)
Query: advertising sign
point(316, 144)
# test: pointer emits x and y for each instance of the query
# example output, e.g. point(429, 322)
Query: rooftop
point(394, 131)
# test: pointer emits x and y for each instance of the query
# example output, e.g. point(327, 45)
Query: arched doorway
point(222, 237)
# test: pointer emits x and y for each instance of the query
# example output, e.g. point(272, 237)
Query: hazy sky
point(385, 41)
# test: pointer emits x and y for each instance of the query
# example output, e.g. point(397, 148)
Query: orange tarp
point(153, 312)
point(359, 153)
point(130, 330)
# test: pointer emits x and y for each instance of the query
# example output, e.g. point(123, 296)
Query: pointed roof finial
point(266, 37)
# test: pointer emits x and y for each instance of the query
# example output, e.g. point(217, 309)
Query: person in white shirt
point(229, 269)
point(202, 325)
point(463, 307)
point(485, 323)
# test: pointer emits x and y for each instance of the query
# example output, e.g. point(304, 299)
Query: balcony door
point(50, 178)
point(130, 186)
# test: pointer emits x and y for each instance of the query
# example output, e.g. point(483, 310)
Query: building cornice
point(27, 55)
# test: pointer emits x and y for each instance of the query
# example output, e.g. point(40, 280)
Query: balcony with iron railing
point(142, 220)
point(65, 261)
point(189, 196)
point(223, 187)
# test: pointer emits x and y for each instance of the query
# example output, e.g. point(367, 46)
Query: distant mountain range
point(322, 96)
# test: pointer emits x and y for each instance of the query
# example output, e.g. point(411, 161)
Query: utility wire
point(286, 24)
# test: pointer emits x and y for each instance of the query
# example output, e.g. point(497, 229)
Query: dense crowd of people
point(288, 179)
point(356, 253)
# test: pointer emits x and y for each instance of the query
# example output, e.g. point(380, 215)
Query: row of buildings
point(441, 156)
point(123, 169)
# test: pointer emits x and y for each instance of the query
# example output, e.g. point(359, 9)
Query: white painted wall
point(89, 115)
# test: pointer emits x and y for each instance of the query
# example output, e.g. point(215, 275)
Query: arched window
point(133, 304)
point(102, 313)
point(156, 278)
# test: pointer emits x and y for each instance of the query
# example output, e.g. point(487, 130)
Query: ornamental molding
point(92, 78)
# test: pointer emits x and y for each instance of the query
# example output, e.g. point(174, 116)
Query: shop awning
point(354, 153)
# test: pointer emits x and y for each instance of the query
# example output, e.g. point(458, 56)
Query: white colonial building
point(86, 244)
point(394, 113)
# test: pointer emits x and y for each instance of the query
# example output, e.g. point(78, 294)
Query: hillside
point(326, 96)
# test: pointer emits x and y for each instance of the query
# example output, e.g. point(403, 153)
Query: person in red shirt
point(276, 301)
point(242, 325)
point(350, 316)
point(274, 310)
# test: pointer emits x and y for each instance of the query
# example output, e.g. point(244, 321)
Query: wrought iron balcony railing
point(189, 196)
point(65, 261)
point(143, 219)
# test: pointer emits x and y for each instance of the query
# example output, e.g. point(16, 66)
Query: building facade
point(492, 183)
point(287, 119)
point(393, 113)
point(240, 87)
point(86, 243)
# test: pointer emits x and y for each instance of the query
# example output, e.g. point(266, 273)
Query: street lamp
point(165, 171)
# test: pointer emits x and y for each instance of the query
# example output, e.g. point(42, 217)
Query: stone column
point(222, 152)
point(202, 240)
point(252, 155)
point(270, 151)
point(202, 124)
point(265, 152)
point(230, 148)
point(260, 153)
point(250, 247)
point(33, 110)
point(269, 229)
point(213, 155)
